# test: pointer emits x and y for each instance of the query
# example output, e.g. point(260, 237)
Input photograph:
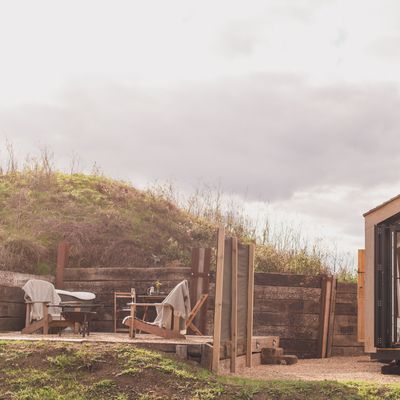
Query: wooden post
point(200, 283)
point(361, 296)
point(250, 301)
point(62, 261)
point(331, 319)
point(324, 315)
point(234, 326)
point(45, 318)
point(132, 324)
point(218, 299)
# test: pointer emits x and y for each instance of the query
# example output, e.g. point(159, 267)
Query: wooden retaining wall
point(345, 325)
point(288, 306)
point(12, 305)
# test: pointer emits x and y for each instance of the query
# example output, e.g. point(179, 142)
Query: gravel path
point(359, 368)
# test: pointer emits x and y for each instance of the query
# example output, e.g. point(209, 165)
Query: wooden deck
point(107, 338)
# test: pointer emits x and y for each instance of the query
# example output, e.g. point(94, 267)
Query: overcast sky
point(291, 102)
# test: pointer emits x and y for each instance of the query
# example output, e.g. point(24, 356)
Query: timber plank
point(284, 292)
point(101, 287)
point(345, 309)
point(12, 310)
point(11, 294)
point(270, 279)
point(300, 348)
point(307, 320)
point(287, 332)
point(346, 298)
point(343, 287)
point(134, 274)
point(345, 340)
point(11, 324)
point(347, 351)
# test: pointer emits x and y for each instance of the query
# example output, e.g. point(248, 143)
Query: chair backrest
point(38, 291)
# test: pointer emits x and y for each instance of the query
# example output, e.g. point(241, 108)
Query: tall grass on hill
point(110, 223)
point(281, 247)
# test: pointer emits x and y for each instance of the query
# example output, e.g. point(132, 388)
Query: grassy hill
point(106, 222)
point(110, 223)
point(67, 371)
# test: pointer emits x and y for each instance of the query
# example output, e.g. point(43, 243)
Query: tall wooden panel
point(361, 296)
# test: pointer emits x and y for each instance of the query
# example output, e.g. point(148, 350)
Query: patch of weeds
point(45, 392)
point(105, 388)
point(81, 359)
point(67, 390)
point(25, 379)
point(129, 371)
point(210, 393)
point(121, 397)
point(10, 352)
point(63, 361)
point(135, 357)
point(171, 367)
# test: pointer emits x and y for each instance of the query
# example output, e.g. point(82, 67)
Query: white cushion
point(78, 295)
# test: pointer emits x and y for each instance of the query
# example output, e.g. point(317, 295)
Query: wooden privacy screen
point(234, 292)
point(200, 283)
point(361, 296)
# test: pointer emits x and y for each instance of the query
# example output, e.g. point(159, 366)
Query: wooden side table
point(120, 310)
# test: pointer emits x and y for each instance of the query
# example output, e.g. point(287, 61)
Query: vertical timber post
point(324, 315)
point(200, 283)
point(218, 299)
point(62, 261)
point(234, 309)
point(329, 344)
point(250, 301)
point(361, 296)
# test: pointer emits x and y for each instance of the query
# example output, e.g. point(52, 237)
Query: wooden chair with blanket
point(172, 314)
point(42, 312)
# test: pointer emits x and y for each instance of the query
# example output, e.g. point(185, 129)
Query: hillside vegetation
point(110, 223)
point(73, 371)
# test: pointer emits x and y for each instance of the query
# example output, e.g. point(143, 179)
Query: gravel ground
point(359, 368)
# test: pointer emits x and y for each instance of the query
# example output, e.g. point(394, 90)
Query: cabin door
point(387, 285)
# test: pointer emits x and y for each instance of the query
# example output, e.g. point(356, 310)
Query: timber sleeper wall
point(288, 306)
point(345, 325)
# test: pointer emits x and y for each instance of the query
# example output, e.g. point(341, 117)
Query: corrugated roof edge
point(381, 205)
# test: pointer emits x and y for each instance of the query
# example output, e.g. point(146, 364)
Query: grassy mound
point(107, 223)
point(110, 223)
point(66, 371)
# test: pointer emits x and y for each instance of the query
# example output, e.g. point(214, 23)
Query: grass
point(58, 371)
point(110, 223)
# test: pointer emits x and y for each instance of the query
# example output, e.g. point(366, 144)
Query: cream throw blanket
point(179, 299)
point(38, 290)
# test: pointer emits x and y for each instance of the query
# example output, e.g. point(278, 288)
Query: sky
point(291, 105)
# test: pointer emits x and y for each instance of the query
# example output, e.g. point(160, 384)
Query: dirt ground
point(359, 368)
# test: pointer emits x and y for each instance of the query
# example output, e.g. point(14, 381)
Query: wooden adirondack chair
point(41, 298)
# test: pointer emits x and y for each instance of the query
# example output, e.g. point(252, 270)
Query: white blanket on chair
point(179, 299)
point(40, 291)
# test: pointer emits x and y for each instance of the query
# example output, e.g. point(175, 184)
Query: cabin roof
point(381, 205)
